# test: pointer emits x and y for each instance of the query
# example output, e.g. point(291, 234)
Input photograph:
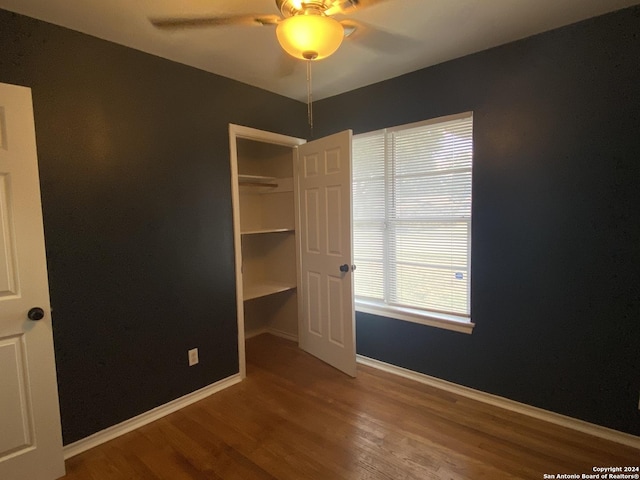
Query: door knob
point(36, 313)
point(344, 268)
point(353, 268)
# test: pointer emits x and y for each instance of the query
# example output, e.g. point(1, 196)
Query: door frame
point(248, 133)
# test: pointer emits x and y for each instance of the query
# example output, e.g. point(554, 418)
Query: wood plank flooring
point(297, 418)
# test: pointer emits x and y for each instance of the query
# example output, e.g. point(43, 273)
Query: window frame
point(449, 321)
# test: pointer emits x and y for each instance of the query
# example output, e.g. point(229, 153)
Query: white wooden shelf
point(261, 184)
point(257, 181)
point(266, 230)
point(262, 290)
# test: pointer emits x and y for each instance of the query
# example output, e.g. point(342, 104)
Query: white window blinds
point(412, 215)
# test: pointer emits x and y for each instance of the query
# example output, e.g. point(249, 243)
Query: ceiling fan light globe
point(303, 35)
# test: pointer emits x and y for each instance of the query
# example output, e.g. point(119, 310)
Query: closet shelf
point(266, 230)
point(257, 181)
point(262, 290)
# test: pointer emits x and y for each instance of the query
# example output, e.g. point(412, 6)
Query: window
point(412, 221)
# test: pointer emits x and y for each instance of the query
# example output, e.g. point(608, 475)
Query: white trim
point(273, 331)
point(254, 333)
point(235, 132)
point(235, 202)
point(264, 136)
point(298, 239)
point(506, 404)
point(282, 334)
point(431, 121)
point(127, 426)
point(432, 319)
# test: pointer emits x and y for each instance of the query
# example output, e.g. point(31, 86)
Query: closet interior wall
point(267, 225)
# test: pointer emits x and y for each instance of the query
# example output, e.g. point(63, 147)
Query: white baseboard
point(273, 331)
point(255, 333)
point(511, 405)
point(282, 334)
point(136, 422)
point(575, 424)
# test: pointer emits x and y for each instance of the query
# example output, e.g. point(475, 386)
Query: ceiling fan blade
point(376, 39)
point(198, 22)
point(346, 7)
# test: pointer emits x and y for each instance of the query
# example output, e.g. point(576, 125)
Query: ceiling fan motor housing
point(290, 8)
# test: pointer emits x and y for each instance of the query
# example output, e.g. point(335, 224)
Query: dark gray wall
point(134, 163)
point(133, 155)
point(555, 237)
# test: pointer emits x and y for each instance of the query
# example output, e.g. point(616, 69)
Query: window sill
point(432, 319)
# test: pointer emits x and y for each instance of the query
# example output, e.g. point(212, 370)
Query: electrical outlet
point(193, 357)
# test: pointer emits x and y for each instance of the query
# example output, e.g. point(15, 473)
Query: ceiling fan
point(306, 30)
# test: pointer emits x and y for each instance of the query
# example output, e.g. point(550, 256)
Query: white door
point(30, 434)
point(326, 325)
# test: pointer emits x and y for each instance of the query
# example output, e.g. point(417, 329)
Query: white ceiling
point(394, 37)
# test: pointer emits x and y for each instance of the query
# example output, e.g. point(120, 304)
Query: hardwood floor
point(297, 418)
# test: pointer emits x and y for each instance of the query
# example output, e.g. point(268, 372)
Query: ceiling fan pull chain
point(309, 99)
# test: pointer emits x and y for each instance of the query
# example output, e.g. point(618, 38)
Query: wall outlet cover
point(193, 357)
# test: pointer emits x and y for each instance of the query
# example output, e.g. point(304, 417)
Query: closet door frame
point(236, 132)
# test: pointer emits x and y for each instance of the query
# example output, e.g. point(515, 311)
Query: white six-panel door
point(30, 434)
point(326, 324)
